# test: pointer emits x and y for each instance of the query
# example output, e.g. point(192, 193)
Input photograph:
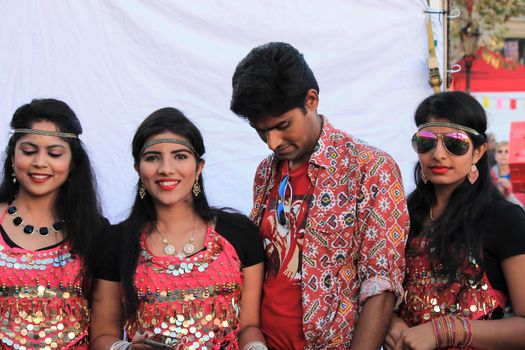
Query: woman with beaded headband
point(190, 275)
point(49, 215)
point(466, 248)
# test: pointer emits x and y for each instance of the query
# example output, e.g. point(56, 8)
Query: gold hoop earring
point(196, 189)
point(142, 191)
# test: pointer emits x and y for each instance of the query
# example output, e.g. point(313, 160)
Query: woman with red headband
point(466, 248)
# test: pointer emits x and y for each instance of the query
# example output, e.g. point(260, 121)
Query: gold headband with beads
point(169, 140)
point(449, 125)
point(62, 134)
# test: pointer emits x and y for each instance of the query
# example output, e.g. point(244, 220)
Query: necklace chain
point(27, 228)
point(188, 248)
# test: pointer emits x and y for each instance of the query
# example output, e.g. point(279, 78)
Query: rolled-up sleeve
point(382, 230)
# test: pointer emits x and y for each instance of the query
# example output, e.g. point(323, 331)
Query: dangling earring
point(13, 175)
point(142, 191)
point(473, 174)
point(423, 176)
point(196, 188)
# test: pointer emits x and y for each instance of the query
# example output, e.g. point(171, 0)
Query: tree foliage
point(490, 16)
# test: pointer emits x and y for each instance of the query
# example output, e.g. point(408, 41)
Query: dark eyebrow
point(182, 150)
point(36, 146)
point(149, 152)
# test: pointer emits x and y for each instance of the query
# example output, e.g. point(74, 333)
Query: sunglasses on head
point(284, 206)
point(455, 143)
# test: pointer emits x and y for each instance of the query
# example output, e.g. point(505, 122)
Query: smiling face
point(292, 135)
point(443, 168)
point(41, 163)
point(168, 171)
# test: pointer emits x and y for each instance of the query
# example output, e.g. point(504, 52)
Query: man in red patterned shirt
point(331, 210)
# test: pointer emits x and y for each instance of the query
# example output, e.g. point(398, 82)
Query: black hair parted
point(77, 202)
point(271, 80)
point(164, 120)
point(457, 234)
point(143, 213)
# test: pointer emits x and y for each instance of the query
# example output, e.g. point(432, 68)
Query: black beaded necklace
point(29, 229)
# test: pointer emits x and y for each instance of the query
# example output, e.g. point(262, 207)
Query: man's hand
point(397, 327)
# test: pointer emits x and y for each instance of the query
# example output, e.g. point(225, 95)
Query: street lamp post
point(469, 40)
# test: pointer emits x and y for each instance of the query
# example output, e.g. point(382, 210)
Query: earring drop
point(196, 189)
point(142, 191)
point(13, 175)
point(473, 174)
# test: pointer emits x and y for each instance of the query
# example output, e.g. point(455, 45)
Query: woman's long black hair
point(457, 234)
point(143, 213)
point(77, 202)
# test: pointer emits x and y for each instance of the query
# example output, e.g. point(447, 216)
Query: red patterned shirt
point(354, 244)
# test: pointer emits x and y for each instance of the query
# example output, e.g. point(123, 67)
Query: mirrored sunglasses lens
point(456, 143)
point(423, 141)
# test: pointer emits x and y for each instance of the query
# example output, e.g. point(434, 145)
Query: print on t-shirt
point(283, 243)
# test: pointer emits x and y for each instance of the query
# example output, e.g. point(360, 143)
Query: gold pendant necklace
point(188, 248)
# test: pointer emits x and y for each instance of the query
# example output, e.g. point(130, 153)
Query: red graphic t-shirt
point(281, 312)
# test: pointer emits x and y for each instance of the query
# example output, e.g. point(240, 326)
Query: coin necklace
point(188, 248)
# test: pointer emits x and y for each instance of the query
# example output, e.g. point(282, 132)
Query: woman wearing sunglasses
point(466, 247)
point(190, 275)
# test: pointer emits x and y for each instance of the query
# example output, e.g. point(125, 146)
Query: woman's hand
point(397, 327)
point(137, 343)
point(417, 338)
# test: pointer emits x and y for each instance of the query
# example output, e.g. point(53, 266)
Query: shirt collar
point(325, 140)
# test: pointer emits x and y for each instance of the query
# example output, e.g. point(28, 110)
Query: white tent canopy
point(115, 62)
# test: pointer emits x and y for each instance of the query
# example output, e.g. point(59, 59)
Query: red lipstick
point(168, 184)
point(439, 169)
point(39, 178)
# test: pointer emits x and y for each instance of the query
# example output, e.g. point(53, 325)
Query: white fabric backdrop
point(115, 62)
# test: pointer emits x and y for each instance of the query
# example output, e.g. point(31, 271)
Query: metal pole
point(468, 66)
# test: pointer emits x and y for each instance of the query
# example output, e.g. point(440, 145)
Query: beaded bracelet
point(255, 345)
point(120, 345)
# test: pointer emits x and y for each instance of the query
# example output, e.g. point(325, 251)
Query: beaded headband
point(66, 135)
point(449, 125)
point(169, 140)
